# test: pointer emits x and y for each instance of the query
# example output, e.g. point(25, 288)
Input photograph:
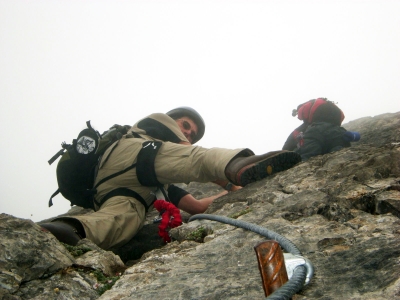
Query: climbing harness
point(299, 270)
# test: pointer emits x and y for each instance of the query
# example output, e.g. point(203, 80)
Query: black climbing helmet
point(185, 111)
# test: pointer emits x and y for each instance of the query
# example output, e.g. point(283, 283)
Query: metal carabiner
point(293, 261)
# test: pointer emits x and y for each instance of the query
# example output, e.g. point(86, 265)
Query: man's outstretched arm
point(193, 206)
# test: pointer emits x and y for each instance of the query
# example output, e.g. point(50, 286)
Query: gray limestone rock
point(341, 210)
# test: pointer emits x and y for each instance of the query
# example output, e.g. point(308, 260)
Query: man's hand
point(194, 206)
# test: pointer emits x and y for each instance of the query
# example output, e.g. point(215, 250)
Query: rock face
point(342, 210)
point(377, 131)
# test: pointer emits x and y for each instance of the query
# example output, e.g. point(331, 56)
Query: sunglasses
point(187, 126)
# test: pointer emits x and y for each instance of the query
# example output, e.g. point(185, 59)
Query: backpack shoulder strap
point(145, 170)
point(52, 196)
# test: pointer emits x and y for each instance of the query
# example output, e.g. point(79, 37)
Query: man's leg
point(244, 170)
point(176, 163)
point(117, 222)
point(69, 231)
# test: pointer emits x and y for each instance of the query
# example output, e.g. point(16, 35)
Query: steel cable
point(296, 282)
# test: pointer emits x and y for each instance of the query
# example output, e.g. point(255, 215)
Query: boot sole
point(280, 162)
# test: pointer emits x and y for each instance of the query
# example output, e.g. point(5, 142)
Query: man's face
point(188, 128)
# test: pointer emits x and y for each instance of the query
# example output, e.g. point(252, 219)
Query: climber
point(321, 131)
point(162, 146)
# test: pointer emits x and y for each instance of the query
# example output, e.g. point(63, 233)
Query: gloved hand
point(351, 136)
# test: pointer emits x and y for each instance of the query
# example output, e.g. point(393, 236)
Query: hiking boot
point(64, 232)
point(244, 170)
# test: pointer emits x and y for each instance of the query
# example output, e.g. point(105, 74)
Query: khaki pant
point(121, 217)
point(117, 222)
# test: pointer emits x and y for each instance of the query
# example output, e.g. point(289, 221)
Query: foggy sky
point(244, 65)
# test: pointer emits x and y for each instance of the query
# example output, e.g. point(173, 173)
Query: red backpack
point(306, 110)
